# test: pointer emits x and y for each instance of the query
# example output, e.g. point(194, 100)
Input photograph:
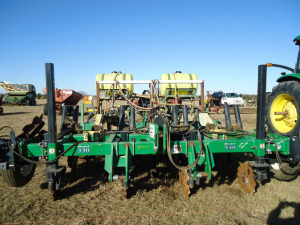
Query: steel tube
point(150, 81)
point(175, 115)
point(51, 102)
point(261, 101)
point(132, 117)
point(227, 117)
point(185, 115)
point(202, 98)
point(98, 97)
point(121, 117)
point(281, 113)
point(238, 116)
point(49, 67)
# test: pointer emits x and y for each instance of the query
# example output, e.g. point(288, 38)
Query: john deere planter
point(166, 120)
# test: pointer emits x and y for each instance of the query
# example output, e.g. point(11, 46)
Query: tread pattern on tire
point(15, 178)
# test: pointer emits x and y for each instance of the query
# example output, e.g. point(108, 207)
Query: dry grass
point(158, 199)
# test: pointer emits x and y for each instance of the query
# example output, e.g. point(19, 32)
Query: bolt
point(115, 177)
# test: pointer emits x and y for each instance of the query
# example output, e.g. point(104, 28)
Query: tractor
point(283, 108)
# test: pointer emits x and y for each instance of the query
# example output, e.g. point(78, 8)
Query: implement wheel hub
point(246, 178)
point(284, 113)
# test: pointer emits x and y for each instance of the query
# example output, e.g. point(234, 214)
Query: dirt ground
point(91, 199)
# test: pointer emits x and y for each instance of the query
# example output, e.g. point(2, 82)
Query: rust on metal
point(202, 98)
point(183, 180)
point(246, 178)
point(32, 129)
point(191, 144)
point(281, 113)
point(204, 174)
point(66, 96)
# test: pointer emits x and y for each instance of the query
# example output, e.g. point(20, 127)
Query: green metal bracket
point(192, 158)
point(116, 160)
point(128, 160)
point(260, 147)
point(52, 151)
point(209, 162)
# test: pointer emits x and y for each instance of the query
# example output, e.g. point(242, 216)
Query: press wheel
point(19, 176)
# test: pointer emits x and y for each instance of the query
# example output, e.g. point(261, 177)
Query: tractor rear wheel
point(20, 176)
point(283, 108)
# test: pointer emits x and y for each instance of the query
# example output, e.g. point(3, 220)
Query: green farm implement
point(18, 94)
point(166, 120)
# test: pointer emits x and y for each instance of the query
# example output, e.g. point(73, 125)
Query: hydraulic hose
point(46, 162)
point(295, 170)
point(169, 148)
point(131, 103)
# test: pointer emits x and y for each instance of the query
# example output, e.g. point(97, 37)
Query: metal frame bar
point(261, 101)
point(150, 81)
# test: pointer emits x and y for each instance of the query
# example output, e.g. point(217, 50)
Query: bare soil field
point(91, 199)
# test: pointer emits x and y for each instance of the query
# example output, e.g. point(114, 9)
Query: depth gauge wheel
point(283, 108)
point(287, 172)
point(20, 176)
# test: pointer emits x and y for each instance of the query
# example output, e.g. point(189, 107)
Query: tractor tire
point(280, 175)
point(1, 110)
point(20, 176)
point(285, 98)
point(45, 110)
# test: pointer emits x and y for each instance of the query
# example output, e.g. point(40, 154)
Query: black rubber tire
point(45, 110)
point(19, 177)
point(1, 110)
point(291, 88)
point(279, 175)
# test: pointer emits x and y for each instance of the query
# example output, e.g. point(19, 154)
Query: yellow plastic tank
point(181, 89)
point(114, 76)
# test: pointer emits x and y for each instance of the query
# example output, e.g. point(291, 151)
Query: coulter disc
point(246, 178)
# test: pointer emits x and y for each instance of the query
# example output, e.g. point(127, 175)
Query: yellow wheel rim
point(284, 104)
